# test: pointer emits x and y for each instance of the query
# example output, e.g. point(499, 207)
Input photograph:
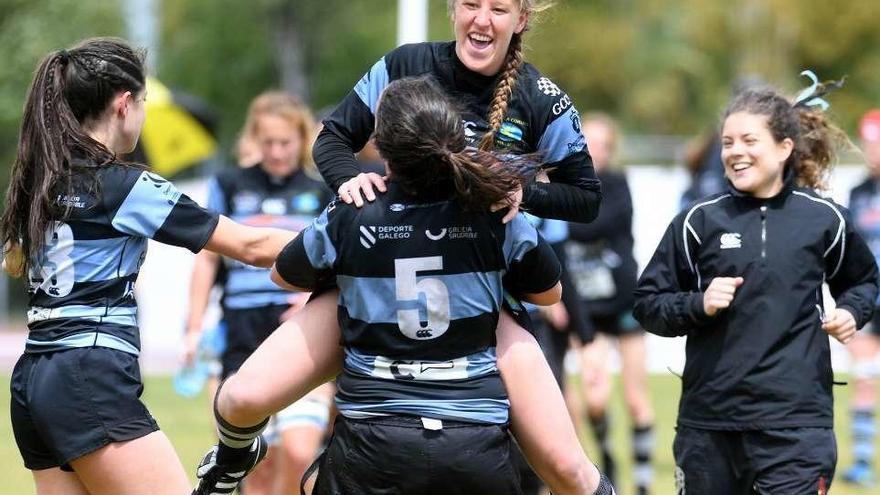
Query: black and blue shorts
point(67, 404)
point(398, 455)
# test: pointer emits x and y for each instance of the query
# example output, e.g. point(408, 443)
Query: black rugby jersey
point(82, 287)
point(420, 294)
point(540, 118)
point(251, 196)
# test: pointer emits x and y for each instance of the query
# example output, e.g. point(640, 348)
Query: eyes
point(727, 143)
point(497, 9)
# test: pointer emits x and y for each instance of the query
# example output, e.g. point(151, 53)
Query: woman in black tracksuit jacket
point(740, 274)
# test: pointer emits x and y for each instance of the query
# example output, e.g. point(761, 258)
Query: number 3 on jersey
point(409, 288)
point(54, 272)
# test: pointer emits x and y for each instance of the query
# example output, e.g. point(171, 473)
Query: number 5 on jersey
point(409, 288)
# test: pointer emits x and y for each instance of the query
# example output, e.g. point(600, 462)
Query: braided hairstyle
point(509, 72)
point(421, 135)
point(816, 139)
point(71, 89)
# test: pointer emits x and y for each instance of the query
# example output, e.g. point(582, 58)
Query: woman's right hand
point(361, 186)
point(191, 346)
point(720, 294)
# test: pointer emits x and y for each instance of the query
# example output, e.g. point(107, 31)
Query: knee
point(297, 458)
point(241, 404)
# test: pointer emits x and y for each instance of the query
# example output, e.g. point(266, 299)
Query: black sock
point(643, 447)
point(600, 432)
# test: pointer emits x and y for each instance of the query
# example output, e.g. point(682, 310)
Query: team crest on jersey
point(548, 87)
point(273, 206)
point(371, 234)
point(576, 121)
point(397, 207)
point(306, 202)
point(731, 240)
point(246, 203)
point(510, 132)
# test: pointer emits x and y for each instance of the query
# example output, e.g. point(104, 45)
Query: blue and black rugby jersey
point(251, 196)
point(540, 118)
point(82, 287)
point(864, 204)
point(420, 294)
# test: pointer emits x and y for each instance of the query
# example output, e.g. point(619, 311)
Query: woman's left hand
point(512, 202)
point(841, 325)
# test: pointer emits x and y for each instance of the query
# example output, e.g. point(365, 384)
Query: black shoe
point(221, 479)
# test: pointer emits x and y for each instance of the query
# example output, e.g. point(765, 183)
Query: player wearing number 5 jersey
point(420, 270)
point(76, 222)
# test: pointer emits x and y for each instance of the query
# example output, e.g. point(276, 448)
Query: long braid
point(503, 92)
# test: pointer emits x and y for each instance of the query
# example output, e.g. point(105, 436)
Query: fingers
point(377, 181)
point(511, 214)
point(719, 295)
point(841, 325)
point(358, 189)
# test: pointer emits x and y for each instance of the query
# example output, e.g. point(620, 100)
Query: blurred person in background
point(279, 191)
point(864, 203)
point(509, 106)
point(600, 260)
point(76, 223)
point(741, 275)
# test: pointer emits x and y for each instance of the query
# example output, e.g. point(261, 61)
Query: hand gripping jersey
point(82, 286)
point(540, 118)
point(420, 294)
point(253, 197)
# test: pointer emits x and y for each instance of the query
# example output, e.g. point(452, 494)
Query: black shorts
point(246, 329)
point(396, 455)
point(617, 325)
point(792, 460)
point(67, 404)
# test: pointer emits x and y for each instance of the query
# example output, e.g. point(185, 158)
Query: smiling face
point(483, 30)
point(753, 160)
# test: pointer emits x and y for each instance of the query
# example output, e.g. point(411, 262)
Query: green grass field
point(187, 423)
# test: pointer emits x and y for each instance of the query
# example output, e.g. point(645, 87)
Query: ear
point(522, 22)
point(121, 103)
point(784, 149)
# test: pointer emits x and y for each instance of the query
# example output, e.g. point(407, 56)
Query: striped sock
point(235, 441)
point(600, 431)
point(863, 431)
point(643, 448)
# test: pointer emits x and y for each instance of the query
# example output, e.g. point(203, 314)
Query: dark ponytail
point(71, 89)
point(421, 135)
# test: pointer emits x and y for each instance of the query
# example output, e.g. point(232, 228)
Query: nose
point(482, 16)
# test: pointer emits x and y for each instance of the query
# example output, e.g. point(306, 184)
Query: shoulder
point(808, 200)
point(544, 96)
point(702, 207)
point(414, 59)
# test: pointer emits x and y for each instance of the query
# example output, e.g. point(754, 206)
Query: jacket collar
point(788, 179)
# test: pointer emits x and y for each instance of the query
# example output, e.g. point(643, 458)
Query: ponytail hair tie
point(63, 56)
point(813, 96)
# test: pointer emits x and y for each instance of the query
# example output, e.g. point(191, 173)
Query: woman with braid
point(508, 107)
point(76, 222)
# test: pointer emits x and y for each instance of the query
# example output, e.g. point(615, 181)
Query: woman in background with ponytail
point(507, 106)
point(76, 223)
point(740, 274)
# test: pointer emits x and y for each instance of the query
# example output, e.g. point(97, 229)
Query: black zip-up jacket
point(540, 118)
point(765, 362)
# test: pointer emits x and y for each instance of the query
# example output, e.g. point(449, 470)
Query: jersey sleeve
point(574, 191)
point(312, 256)
point(348, 128)
point(669, 301)
point(851, 270)
point(532, 265)
point(154, 208)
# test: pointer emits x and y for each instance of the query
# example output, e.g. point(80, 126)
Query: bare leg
point(539, 418)
point(638, 402)
point(144, 466)
point(259, 481)
point(595, 377)
point(301, 355)
point(54, 481)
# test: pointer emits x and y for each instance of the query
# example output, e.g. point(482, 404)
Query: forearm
point(562, 201)
point(203, 276)
point(671, 314)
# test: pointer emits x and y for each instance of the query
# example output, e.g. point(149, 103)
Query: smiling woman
point(506, 105)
